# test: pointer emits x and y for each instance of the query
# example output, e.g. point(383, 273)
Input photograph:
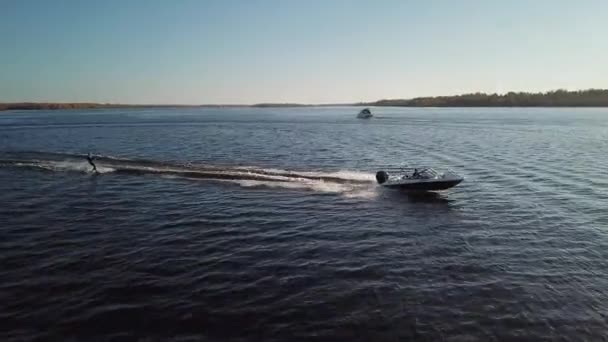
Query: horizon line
point(292, 104)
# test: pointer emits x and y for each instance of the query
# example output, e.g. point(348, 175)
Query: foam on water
point(353, 184)
point(65, 166)
point(342, 174)
point(345, 190)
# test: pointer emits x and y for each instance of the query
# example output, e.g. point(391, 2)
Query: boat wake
point(348, 183)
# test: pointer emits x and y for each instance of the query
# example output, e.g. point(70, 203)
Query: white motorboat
point(364, 114)
point(419, 179)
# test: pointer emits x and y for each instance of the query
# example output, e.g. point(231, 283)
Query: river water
point(256, 224)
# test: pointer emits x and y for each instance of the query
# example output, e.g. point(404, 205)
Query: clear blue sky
point(311, 51)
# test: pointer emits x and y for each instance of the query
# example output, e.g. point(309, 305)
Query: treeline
point(556, 98)
point(36, 105)
point(53, 106)
point(279, 105)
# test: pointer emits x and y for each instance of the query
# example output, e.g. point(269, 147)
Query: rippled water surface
point(266, 225)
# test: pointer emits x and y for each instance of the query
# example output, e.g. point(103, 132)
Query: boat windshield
point(428, 173)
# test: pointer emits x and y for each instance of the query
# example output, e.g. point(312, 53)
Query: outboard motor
point(381, 176)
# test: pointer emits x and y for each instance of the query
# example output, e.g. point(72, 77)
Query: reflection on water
point(431, 197)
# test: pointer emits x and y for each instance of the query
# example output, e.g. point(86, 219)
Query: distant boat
point(365, 114)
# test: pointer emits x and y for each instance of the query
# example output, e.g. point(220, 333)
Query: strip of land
point(86, 105)
point(556, 98)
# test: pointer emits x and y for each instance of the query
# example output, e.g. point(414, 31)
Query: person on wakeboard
point(90, 160)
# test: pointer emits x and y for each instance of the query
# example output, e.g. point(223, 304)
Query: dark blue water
point(266, 225)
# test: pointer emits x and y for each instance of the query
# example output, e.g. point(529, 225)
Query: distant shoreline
point(79, 105)
point(557, 98)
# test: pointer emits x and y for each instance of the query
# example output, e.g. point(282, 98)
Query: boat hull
point(434, 185)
